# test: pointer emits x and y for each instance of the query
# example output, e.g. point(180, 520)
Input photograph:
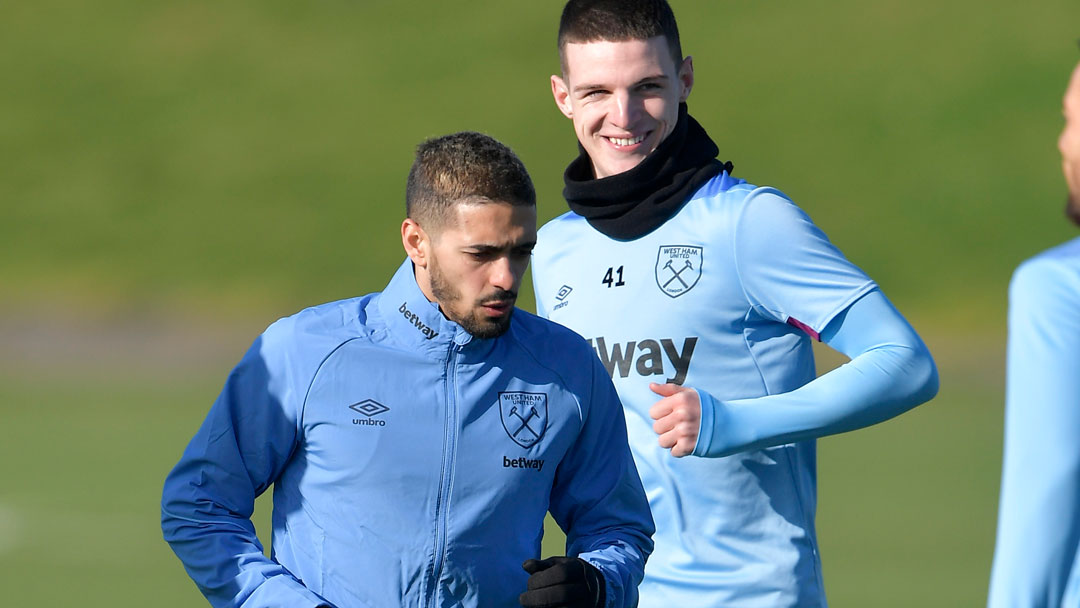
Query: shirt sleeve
point(788, 269)
point(240, 449)
point(1039, 513)
point(890, 371)
point(598, 499)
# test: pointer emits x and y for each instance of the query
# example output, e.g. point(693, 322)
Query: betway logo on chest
point(647, 357)
point(411, 317)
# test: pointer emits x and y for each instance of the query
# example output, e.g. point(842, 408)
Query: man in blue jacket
point(416, 437)
point(1037, 558)
point(702, 293)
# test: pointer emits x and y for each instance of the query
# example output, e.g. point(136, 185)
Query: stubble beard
point(471, 321)
point(1071, 169)
point(1072, 207)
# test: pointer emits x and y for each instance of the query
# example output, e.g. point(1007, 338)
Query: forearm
point(208, 498)
point(611, 526)
point(222, 554)
point(622, 564)
point(599, 501)
point(874, 387)
point(890, 372)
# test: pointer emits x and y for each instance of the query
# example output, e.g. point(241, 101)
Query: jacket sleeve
point(208, 498)
point(1038, 525)
point(598, 499)
point(890, 371)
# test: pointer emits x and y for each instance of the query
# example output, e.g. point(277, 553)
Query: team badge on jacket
point(524, 416)
point(678, 268)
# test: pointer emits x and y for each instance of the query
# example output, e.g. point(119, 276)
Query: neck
point(423, 281)
point(633, 203)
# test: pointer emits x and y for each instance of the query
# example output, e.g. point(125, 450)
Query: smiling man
point(416, 438)
point(701, 294)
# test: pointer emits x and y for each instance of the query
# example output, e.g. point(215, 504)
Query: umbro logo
point(369, 408)
point(561, 296)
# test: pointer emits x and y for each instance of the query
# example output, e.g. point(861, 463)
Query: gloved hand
point(563, 582)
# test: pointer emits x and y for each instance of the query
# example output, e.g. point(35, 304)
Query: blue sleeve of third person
point(1039, 511)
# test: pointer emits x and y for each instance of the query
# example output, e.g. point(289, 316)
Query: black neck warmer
point(636, 202)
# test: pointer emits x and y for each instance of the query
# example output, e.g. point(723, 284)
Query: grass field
point(174, 176)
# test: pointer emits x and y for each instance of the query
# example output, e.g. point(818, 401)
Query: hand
point(562, 582)
point(677, 416)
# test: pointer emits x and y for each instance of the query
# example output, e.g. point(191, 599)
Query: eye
point(481, 256)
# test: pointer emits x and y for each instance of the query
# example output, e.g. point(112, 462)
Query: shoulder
point(1054, 272)
point(561, 225)
point(557, 234)
point(750, 218)
point(551, 345)
point(766, 202)
point(723, 185)
point(735, 200)
point(537, 334)
point(314, 332)
point(766, 216)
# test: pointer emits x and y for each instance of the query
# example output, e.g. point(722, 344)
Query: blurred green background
point(176, 175)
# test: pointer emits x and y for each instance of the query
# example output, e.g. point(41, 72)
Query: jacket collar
point(414, 320)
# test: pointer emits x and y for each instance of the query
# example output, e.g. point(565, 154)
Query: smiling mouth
point(623, 142)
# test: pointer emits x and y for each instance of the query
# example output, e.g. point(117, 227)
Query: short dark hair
point(464, 167)
point(617, 21)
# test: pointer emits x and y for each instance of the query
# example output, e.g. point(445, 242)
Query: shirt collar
point(413, 319)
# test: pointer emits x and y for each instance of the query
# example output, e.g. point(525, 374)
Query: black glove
point(563, 582)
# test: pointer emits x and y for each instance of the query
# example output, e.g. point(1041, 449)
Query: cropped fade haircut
point(465, 167)
point(618, 21)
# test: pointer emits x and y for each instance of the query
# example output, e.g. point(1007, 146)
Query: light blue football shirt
point(723, 297)
point(1038, 534)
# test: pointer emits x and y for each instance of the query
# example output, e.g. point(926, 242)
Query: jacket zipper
point(446, 474)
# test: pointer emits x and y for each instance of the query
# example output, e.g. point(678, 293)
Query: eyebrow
point(593, 87)
point(485, 248)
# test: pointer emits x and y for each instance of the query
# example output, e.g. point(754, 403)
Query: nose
point(502, 274)
point(626, 110)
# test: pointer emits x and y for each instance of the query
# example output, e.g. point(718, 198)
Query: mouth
point(497, 308)
point(626, 142)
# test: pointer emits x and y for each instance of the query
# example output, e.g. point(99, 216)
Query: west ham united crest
point(524, 416)
point(678, 268)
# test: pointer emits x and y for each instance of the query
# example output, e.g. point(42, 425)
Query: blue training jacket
point(412, 464)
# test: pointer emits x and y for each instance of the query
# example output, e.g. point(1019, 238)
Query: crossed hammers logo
point(687, 265)
point(524, 420)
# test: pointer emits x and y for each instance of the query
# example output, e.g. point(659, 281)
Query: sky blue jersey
point(725, 297)
point(1038, 534)
point(412, 464)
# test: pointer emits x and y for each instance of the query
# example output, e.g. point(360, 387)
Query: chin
point(1072, 208)
point(486, 328)
point(622, 165)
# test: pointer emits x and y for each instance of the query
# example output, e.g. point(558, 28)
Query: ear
point(416, 242)
point(686, 78)
point(561, 93)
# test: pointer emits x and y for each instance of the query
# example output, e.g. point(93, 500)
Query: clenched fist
point(677, 416)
